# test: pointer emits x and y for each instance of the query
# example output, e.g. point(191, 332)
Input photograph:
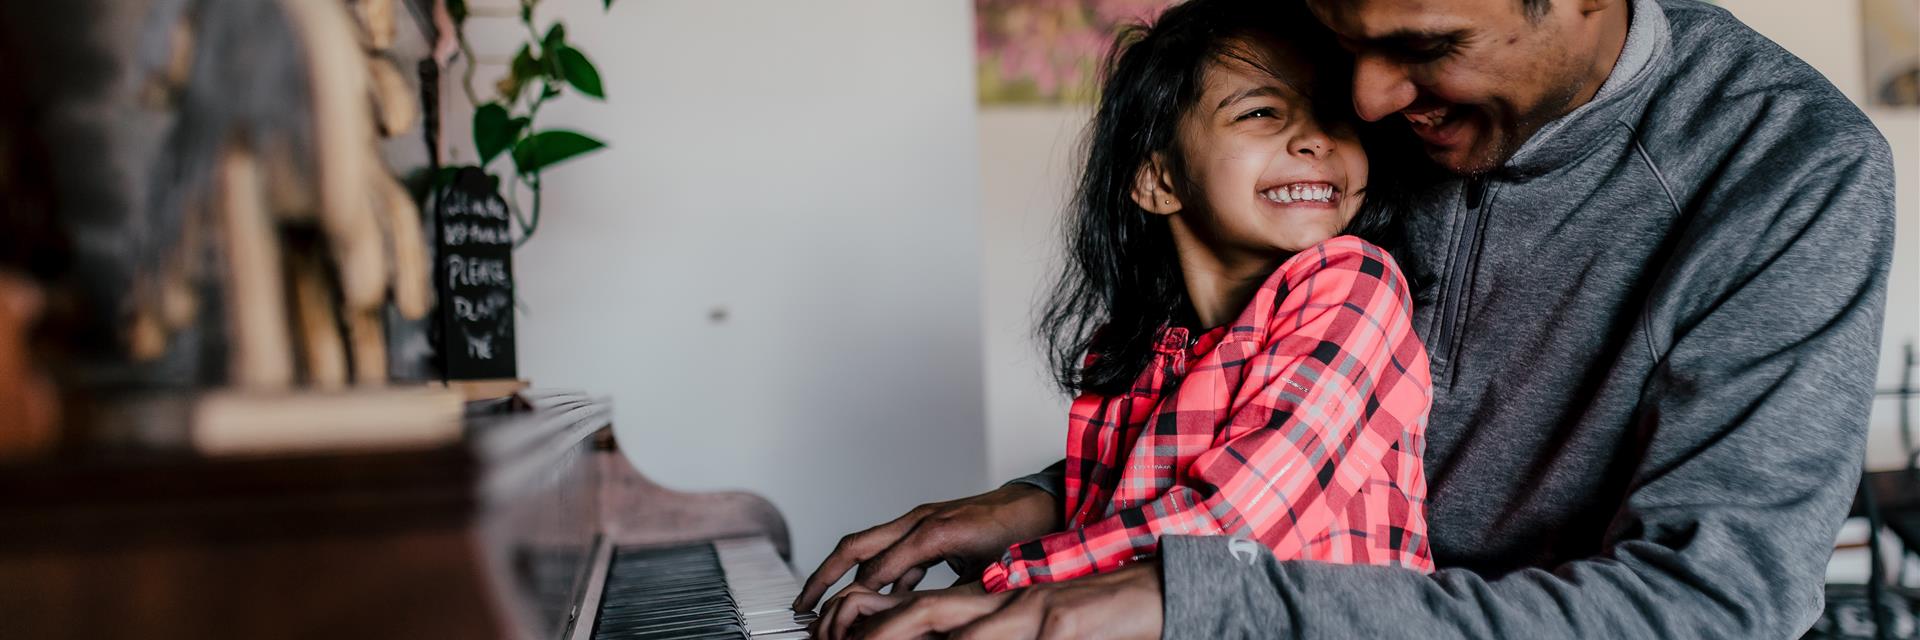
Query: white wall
point(1026, 153)
point(810, 168)
point(1027, 161)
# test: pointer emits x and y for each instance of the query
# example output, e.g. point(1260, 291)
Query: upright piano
point(532, 525)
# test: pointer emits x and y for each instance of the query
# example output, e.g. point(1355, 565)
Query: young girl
point(1242, 367)
point(1248, 370)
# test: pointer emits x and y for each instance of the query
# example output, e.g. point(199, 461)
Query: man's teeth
point(1430, 118)
point(1300, 193)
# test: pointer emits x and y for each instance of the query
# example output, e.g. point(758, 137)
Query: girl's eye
point(1263, 112)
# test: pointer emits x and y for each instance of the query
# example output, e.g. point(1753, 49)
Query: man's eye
point(1263, 112)
point(1423, 55)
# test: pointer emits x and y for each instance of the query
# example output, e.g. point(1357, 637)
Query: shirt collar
point(1621, 98)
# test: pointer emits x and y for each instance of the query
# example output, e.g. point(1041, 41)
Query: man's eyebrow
point(1262, 90)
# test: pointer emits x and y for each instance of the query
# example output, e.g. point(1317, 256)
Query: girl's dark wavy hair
point(1121, 282)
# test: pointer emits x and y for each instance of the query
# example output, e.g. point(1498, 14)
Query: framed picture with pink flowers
point(1048, 51)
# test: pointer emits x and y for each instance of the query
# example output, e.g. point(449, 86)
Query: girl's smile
point(1303, 194)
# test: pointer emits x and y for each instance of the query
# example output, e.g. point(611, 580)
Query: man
point(1657, 280)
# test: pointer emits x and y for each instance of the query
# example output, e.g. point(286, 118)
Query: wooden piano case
point(489, 537)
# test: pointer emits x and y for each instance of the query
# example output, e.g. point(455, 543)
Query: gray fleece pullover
point(1654, 334)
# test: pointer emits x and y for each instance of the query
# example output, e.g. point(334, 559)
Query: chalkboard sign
point(475, 278)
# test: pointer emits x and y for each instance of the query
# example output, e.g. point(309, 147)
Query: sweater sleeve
point(1753, 427)
point(1052, 479)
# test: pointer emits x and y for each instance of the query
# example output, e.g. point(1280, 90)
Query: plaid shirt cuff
point(994, 578)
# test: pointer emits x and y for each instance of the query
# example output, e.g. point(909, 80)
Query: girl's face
point(1271, 180)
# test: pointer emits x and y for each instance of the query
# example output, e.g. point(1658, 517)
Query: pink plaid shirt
point(1299, 425)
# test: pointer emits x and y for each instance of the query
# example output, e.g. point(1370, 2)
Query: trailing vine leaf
point(547, 148)
point(580, 72)
point(546, 59)
point(494, 131)
point(523, 68)
point(555, 40)
point(445, 176)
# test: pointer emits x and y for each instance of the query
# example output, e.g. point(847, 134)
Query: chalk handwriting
point(466, 271)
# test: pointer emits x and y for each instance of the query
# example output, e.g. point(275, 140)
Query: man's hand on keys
point(1123, 604)
point(965, 533)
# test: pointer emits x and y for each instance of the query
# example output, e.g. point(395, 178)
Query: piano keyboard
point(737, 589)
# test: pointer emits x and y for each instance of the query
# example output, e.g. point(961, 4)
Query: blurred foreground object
point(29, 408)
point(200, 192)
point(527, 525)
point(276, 179)
point(220, 259)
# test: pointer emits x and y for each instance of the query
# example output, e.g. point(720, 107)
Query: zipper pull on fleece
point(1476, 191)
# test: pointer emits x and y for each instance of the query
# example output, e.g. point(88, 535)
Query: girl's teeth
point(1300, 193)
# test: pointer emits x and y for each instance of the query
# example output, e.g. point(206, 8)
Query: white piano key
point(763, 586)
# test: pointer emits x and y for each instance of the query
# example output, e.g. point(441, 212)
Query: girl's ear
point(1153, 186)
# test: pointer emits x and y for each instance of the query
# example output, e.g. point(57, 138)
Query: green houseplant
point(506, 125)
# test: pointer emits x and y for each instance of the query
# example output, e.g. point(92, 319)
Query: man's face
point(1473, 78)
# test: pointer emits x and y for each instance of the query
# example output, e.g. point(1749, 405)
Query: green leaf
point(606, 5)
point(494, 131)
point(445, 176)
point(551, 147)
point(523, 68)
point(580, 73)
point(556, 37)
point(457, 9)
point(524, 64)
point(421, 183)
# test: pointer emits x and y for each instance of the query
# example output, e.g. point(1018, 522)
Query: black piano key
point(667, 592)
point(726, 589)
point(709, 631)
point(720, 613)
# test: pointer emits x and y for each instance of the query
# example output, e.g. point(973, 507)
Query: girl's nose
point(1312, 142)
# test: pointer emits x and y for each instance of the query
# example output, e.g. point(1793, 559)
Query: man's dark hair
point(1535, 8)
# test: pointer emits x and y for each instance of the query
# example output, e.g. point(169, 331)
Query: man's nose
point(1380, 88)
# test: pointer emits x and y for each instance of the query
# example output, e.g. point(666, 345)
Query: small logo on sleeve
point(1244, 550)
